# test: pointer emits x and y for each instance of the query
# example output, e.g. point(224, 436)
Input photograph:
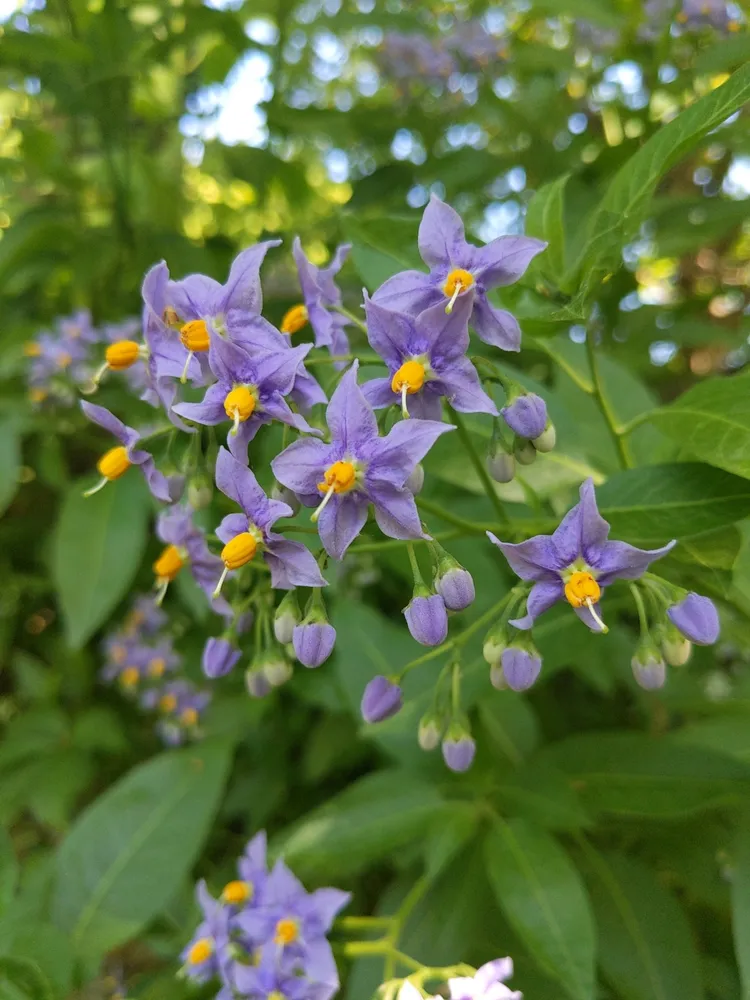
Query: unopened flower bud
point(415, 482)
point(426, 617)
point(219, 657)
point(199, 493)
point(495, 642)
point(546, 440)
point(697, 618)
point(458, 748)
point(454, 584)
point(277, 669)
point(381, 700)
point(286, 496)
point(430, 732)
point(256, 682)
point(287, 616)
point(649, 669)
point(313, 642)
point(524, 451)
point(675, 647)
point(522, 664)
point(526, 415)
point(501, 466)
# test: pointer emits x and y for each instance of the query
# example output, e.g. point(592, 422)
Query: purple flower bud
point(427, 619)
point(524, 452)
point(256, 682)
point(526, 415)
point(415, 482)
point(458, 749)
point(456, 587)
point(286, 618)
point(649, 669)
point(521, 667)
point(313, 642)
point(381, 700)
point(219, 657)
point(697, 618)
point(501, 466)
point(430, 732)
point(546, 440)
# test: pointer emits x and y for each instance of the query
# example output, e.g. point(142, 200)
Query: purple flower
point(252, 867)
point(381, 699)
point(322, 296)
point(358, 468)
point(291, 564)
point(521, 667)
point(456, 586)
point(145, 616)
point(526, 415)
point(697, 618)
point(486, 983)
point(313, 642)
point(427, 618)
point(203, 955)
point(186, 546)
point(250, 392)
point(457, 269)
point(458, 749)
point(219, 657)
point(118, 460)
point(426, 359)
point(575, 563)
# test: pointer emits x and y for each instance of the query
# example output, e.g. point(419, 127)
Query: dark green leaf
point(741, 901)
point(25, 976)
point(10, 461)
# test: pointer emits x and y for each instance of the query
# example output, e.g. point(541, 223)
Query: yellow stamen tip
point(582, 588)
point(202, 950)
point(287, 931)
point(457, 281)
point(236, 893)
point(130, 677)
point(294, 319)
point(156, 667)
point(122, 354)
point(168, 703)
point(114, 463)
point(195, 336)
point(341, 476)
point(239, 551)
point(189, 717)
point(410, 376)
point(239, 404)
point(168, 565)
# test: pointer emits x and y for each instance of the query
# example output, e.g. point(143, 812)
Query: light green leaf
point(545, 220)
point(26, 977)
point(8, 871)
point(741, 901)
point(717, 413)
point(646, 949)
point(97, 549)
point(10, 461)
point(127, 853)
point(543, 898)
point(659, 502)
point(381, 247)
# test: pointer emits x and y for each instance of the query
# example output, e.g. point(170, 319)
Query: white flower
point(409, 991)
point(485, 984)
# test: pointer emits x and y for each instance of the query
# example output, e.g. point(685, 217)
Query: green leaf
point(8, 871)
point(369, 821)
point(382, 247)
point(97, 549)
point(45, 946)
point(127, 854)
point(545, 220)
point(10, 461)
point(717, 412)
point(646, 949)
point(741, 901)
point(26, 977)
point(659, 502)
point(543, 898)
point(542, 794)
point(623, 208)
point(629, 774)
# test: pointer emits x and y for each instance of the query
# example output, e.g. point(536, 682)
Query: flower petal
point(229, 361)
point(238, 443)
point(495, 326)
point(242, 291)
point(464, 389)
point(277, 408)
point(535, 559)
point(446, 334)
point(378, 393)
point(505, 259)
point(350, 418)
point(292, 565)
point(231, 526)
point(620, 561)
point(583, 530)
point(396, 512)
point(210, 411)
point(237, 482)
point(442, 242)
point(127, 436)
point(493, 972)
point(410, 292)
point(396, 454)
point(300, 467)
point(195, 297)
point(388, 331)
point(427, 403)
point(588, 619)
point(157, 481)
point(541, 598)
point(341, 520)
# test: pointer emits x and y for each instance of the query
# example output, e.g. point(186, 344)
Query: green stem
point(157, 433)
point(418, 580)
point(623, 451)
point(479, 466)
point(366, 359)
point(643, 620)
point(459, 522)
point(360, 923)
point(393, 543)
point(352, 317)
point(631, 425)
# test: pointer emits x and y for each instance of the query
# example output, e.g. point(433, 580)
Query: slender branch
point(623, 451)
point(642, 619)
point(393, 543)
point(352, 317)
point(479, 466)
point(366, 359)
point(642, 418)
point(459, 522)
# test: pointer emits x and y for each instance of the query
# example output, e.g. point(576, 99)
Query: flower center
point(169, 564)
point(118, 654)
point(37, 394)
point(31, 349)
point(129, 677)
point(408, 379)
point(156, 667)
point(168, 703)
point(122, 354)
point(287, 931)
point(339, 477)
point(239, 550)
point(63, 359)
point(189, 717)
point(202, 949)
point(170, 316)
point(114, 463)
point(236, 893)
point(457, 281)
point(275, 995)
point(194, 335)
point(582, 588)
point(294, 319)
point(239, 405)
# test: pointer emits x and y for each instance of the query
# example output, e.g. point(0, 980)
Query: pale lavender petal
point(594, 530)
point(277, 408)
point(409, 292)
point(401, 449)
point(255, 333)
point(350, 417)
point(427, 404)
point(446, 334)
point(535, 559)
point(493, 972)
point(441, 236)
point(620, 561)
point(194, 297)
point(277, 371)
point(210, 411)
point(505, 259)
point(588, 619)
point(229, 361)
point(496, 327)
point(464, 389)
point(300, 467)
point(541, 597)
point(242, 291)
point(327, 903)
point(307, 392)
point(378, 393)
point(157, 482)
point(322, 323)
point(388, 331)
point(238, 443)
point(292, 565)
point(153, 292)
point(231, 526)
point(237, 482)
point(174, 525)
point(341, 521)
point(104, 418)
point(396, 512)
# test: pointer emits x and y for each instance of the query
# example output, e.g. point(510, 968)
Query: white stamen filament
point(95, 489)
point(595, 616)
point(236, 423)
point(99, 374)
point(220, 584)
point(183, 377)
point(456, 293)
point(404, 408)
point(319, 509)
point(161, 591)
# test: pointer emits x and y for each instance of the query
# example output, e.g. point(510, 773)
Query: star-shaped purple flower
point(291, 563)
point(426, 360)
point(358, 468)
point(321, 296)
point(117, 461)
point(188, 547)
point(250, 392)
point(575, 563)
point(457, 268)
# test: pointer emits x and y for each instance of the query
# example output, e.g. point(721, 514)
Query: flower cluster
point(264, 937)
point(141, 659)
point(692, 15)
